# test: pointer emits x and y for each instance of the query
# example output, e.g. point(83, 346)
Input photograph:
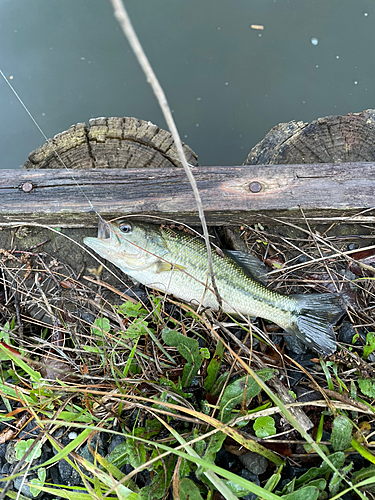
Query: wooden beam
point(230, 195)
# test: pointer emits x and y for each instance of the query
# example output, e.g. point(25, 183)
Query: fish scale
point(240, 293)
point(175, 262)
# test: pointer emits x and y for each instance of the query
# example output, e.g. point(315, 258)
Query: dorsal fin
point(250, 264)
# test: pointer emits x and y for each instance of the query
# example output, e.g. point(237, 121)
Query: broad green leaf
point(318, 483)
point(189, 349)
point(367, 387)
point(152, 427)
point(370, 345)
point(234, 393)
point(188, 490)
point(131, 310)
point(136, 453)
point(337, 460)
point(218, 385)
point(135, 329)
point(199, 446)
point(214, 445)
point(100, 326)
point(264, 426)
point(119, 455)
point(35, 484)
point(307, 493)
point(23, 446)
point(341, 433)
point(129, 451)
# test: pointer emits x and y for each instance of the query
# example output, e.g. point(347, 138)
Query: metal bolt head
point(255, 187)
point(27, 187)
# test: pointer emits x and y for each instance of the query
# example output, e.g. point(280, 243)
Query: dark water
point(228, 84)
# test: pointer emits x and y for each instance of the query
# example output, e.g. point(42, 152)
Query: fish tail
point(315, 316)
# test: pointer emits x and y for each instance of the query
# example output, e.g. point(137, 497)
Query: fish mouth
point(104, 231)
point(109, 240)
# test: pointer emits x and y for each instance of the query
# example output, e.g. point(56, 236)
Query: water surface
point(228, 84)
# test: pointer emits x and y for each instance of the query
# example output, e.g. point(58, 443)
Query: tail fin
point(316, 315)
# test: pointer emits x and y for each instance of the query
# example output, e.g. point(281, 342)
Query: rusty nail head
point(255, 187)
point(27, 187)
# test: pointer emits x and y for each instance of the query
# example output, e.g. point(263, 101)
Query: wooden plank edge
point(231, 195)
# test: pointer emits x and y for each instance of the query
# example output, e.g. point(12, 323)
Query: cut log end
point(332, 139)
point(110, 143)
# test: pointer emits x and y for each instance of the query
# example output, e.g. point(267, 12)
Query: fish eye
point(125, 227)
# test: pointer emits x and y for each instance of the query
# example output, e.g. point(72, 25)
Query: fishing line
point(53, 148)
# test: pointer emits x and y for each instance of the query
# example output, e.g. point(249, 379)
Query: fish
point(174, 261)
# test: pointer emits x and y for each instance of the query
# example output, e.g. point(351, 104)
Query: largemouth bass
point(175, 262)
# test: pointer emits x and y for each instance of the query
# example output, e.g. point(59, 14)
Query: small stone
point(96, 444)
point(69, 476)
point(347, 332)
point(5, 470)
point(246, 474)
point(294, 344)
point(253, 462)
point(10, 454)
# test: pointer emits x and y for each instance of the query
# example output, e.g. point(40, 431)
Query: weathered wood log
point(110, 143)
point(332, 139)
point(230, 195)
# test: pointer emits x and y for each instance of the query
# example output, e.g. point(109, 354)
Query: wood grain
point(112, 142)
point(321, 190)
point(331, 139)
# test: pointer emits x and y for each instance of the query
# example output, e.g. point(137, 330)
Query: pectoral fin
point(163, 266)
